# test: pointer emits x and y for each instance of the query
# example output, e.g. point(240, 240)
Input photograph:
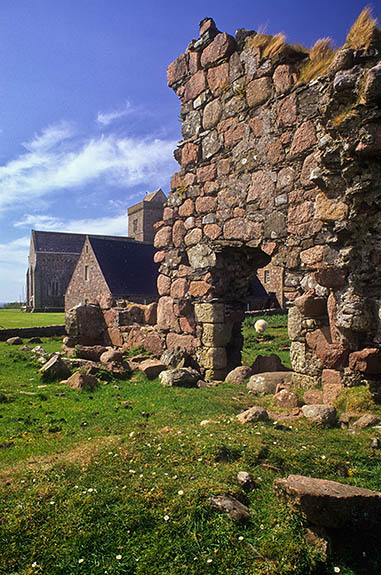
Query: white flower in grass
point(166, 517)
point(34, 564)
point(209, 560)
point(80, 560)
point(52, 502)
point(180, 492)
point(119, 557)
point(240, 538)
point(336, 569)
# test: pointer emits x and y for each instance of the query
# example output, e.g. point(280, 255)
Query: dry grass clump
point(363, 32)
point(268, 45)
point(320, 57)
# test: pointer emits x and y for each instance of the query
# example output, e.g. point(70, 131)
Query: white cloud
point(106, 118)
point(50, 137)
point(56, 161)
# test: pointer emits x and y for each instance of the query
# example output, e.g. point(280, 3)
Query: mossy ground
point(118, 481)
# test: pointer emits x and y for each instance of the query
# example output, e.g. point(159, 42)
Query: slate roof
point(127, 265)
point(58, 242)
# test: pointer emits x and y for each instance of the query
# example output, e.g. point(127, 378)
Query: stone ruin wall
point(272, 170)
point(114, 322)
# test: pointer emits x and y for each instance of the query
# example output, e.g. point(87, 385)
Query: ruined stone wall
point(120, 323)
point(274, 171)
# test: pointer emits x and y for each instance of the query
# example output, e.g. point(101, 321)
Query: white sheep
point(260, 326)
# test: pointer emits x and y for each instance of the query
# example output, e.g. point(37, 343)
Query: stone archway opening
point(220, 320)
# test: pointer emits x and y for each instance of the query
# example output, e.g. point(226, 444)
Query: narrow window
point(135, 226)
point(267, 276)
point(86, 273)
point(87, 249)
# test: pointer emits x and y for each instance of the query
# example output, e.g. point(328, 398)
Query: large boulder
point(174, 356)
point(90, 352)
point(238, 375)
point(253, 415)
point(15, 340)
point(111, 355)
point(266, 383)
point(266, 363)
point(85, 322)
point(329, 503)
point(324, 415)
point(151, 368)
point(286, 399)
point(83, 381)
point(180, 377)
point(55, 369)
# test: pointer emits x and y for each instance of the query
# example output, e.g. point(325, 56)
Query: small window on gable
point(87, 248)
point(267, 276)
point(86, 273)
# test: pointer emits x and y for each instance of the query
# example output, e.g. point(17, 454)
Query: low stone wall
point(46, 331)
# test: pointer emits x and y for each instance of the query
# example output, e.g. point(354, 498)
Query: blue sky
point(87, 123)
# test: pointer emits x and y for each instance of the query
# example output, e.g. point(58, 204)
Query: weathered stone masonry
point(272, 170)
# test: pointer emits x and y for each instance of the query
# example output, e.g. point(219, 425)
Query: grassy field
point(273, 340)
point(13, 318)
point(118, 481)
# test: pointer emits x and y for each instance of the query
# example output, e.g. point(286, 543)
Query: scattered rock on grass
point(55, 369)
point(367, 420)
point(82, 381)
point(329, 503)
point(266, 383)
point(238, 375)
point(39, 350)
point(151, 368)
point(181, 377)
point(172, 357)
point(267, 363)
point(253, 414)
point(286, 399)
point(90, 352)
point(231, 506)
point(111, 355)
point(15, 341)
point(246, 481)
point(324, 415)
point(35, 340)
point(313, 396)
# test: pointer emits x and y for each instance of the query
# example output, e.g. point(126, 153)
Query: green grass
point(273, 340)
point(118, 480)
point(13, 318)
